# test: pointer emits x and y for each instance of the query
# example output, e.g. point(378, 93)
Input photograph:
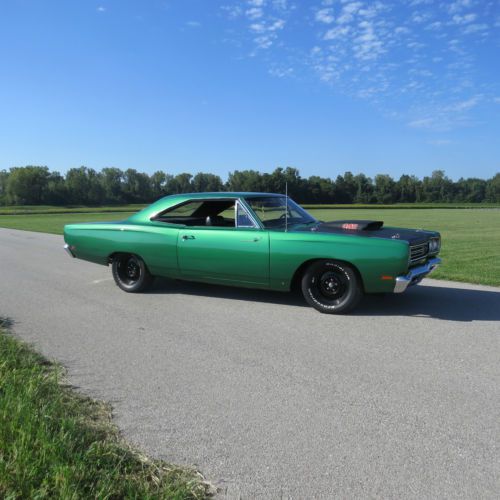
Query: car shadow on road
point(447, 303)
point(164, 285)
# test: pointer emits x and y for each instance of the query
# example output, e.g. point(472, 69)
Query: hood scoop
point(355, 225)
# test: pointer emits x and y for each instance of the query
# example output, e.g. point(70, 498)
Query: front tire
point(130, 273)
point(331, 287)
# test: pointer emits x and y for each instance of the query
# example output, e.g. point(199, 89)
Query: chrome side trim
point(68, 250)
point(415, 275)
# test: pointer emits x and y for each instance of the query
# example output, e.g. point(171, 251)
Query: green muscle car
point(257, 240)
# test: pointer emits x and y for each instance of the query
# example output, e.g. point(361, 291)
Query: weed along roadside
point(56, 443)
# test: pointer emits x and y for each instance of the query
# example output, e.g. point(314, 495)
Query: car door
point(233, 255)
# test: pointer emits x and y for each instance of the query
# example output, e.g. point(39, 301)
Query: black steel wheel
point(130, 273)
point(331, 287)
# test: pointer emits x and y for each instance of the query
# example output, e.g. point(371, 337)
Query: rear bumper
point(67, 248)
point(415, 275)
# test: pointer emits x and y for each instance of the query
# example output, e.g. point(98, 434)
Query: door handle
point(253, 240)
point(188, 237)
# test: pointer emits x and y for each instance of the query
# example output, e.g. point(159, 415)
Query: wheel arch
point(297, 275)
point(111, 256)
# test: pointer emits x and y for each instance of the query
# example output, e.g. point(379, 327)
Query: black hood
point(371, 229)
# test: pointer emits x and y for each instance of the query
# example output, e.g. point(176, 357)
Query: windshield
point(272, 211)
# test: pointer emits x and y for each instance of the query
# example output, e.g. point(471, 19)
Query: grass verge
point(55, 443)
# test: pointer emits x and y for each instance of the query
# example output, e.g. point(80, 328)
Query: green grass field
point(471, 236)
point(55, 443)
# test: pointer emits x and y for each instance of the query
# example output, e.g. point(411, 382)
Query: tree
point(470, 190)
point(345, 188)
point(160, 184)
point(245, 180)
point(408, 189)
point(437, 188)
point(136, 186)
point(27, 185)
point(493, 189)
point(319, 189)
point(364, 189)
point(111, 180)
point(181, 183)
point(84, 186)
point(281, 180)
point(385, 189)
point(56, 192)
point(4, 175)
point(207, 182)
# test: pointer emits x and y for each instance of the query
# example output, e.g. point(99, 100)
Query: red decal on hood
point(350, 226)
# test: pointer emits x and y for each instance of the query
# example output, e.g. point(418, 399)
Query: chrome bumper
point(415, 275)
point(68, 250)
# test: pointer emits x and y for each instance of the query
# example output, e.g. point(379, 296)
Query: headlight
point(434, 245)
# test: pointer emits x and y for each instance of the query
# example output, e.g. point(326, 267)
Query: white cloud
point(465, 105)
point(337, 32)
point(422, 123)
point(254, 13)
point(193, 24)
point(458, 6)
point(436, 25)
point(232, 11)
point(267, 32)
point(420, 17)
point(475, 28)
point(414, 56)
point(402, 30)
point(325, 16)
point(101, 9)
point(465, 19)
point(348, 12)
point(281, 72)
point(367, 45)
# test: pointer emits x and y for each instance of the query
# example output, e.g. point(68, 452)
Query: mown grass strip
point(69, 209)
point(55, 443)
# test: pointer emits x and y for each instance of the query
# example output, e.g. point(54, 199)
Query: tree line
point(37, 185)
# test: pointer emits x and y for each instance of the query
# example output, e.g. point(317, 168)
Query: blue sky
point(326, 86)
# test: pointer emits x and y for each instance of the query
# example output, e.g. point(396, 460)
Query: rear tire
point(331, 287)
point(130, 273)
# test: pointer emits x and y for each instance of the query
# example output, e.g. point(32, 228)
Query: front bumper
point(416, 275)
point(67, 248)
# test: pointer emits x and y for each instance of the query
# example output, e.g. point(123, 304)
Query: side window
point(226, 217)
point(183, 214)
point(184, 210)
point(242, 217)
point(217, 212)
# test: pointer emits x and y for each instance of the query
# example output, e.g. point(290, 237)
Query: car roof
point(171, 200)
point(224, 194)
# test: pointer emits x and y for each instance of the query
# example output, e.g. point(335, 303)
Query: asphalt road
point(269, 398)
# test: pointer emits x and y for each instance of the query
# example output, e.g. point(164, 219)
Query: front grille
point(418, 252)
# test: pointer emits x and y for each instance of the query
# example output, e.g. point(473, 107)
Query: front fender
point(378, 261)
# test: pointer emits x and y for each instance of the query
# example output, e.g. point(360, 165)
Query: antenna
point(286, 206)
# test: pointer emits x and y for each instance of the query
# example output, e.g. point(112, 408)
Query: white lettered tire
point(331, 287)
